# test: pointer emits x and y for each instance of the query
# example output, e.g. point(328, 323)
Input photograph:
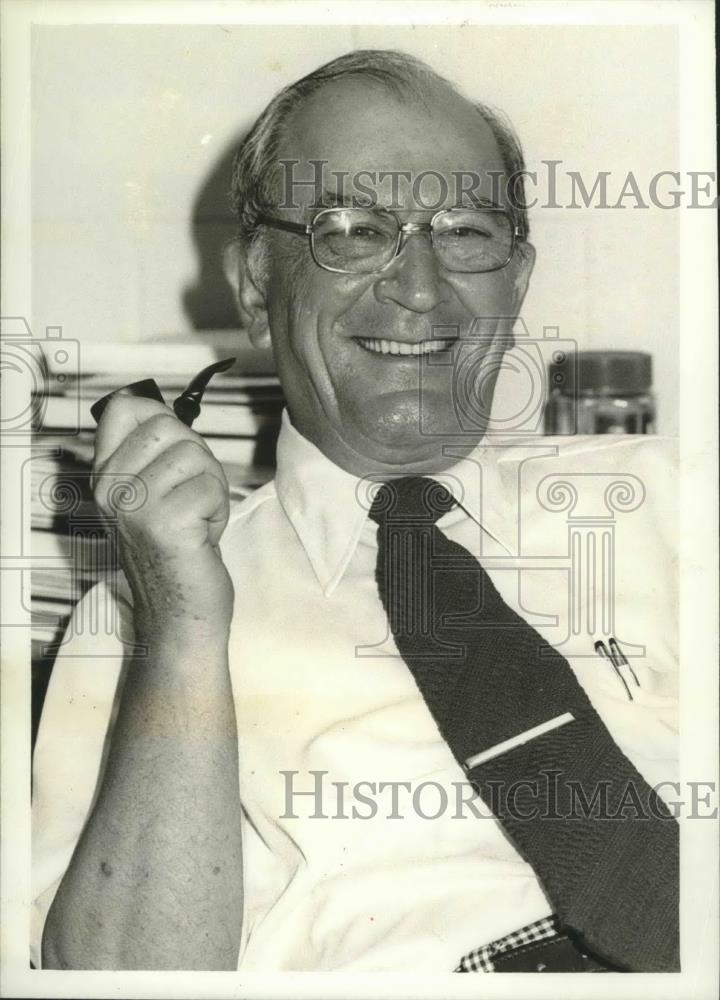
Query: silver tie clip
point(519, 740)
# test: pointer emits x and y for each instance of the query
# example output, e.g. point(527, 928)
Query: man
point(267, 675)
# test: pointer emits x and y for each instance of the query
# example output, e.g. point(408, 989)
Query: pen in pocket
point(617, 659)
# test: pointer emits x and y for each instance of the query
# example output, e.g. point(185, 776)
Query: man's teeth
point(396, 347)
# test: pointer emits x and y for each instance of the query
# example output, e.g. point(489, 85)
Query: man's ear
point(522, 263)
point(525, 254)
point(519, 271)
point(249, 297)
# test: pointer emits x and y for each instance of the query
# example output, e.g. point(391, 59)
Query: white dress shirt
point(323, 700)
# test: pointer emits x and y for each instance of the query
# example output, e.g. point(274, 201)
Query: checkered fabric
point(481, 960)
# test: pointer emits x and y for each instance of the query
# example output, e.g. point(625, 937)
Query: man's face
point(370, 411)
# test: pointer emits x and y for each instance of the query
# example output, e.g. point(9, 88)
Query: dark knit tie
point(602, 843)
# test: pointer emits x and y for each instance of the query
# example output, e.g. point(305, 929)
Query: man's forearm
point(156, 879)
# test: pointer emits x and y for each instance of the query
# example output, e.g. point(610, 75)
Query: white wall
point(129, 122)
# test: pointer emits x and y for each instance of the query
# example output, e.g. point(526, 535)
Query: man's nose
point(413, 280)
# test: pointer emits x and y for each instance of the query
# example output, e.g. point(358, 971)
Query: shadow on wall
point(208, 301)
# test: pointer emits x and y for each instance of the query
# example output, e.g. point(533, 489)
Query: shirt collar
point(328, 507)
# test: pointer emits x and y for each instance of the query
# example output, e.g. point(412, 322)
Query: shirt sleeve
point(78, 712)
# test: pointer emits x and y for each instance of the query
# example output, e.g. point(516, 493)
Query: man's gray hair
point(255, 166)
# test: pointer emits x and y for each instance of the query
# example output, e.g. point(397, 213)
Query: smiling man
point(251, 772)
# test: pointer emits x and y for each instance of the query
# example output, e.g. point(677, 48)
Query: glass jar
point(600, 392)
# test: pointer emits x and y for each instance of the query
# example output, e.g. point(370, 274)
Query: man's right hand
point(141, 890)
point(169, 538)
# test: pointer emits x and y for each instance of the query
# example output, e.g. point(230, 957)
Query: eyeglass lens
point(361, 241)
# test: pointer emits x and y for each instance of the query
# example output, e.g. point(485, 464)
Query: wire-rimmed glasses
point(366, 240)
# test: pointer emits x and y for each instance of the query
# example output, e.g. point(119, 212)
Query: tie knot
point(411, 500)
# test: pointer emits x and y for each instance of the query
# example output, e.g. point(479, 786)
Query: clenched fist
point(169, 538)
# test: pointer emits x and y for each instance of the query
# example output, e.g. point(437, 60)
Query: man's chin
point(406, 446)
point(412, 421)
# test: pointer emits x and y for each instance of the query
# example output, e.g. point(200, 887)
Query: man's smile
point(399, 347)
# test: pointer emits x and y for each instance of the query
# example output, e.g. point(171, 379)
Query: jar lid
point(606, 372)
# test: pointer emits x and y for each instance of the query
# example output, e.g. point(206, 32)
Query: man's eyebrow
point(342, 199)
point(333, 199)
point(477, 201)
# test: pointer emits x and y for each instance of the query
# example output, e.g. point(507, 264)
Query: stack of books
point(71, 547)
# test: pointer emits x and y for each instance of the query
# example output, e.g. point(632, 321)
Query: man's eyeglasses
point(364, 241)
